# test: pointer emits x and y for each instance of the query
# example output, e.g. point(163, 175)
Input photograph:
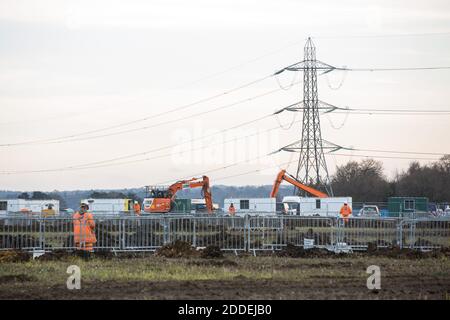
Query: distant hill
point(219, 192)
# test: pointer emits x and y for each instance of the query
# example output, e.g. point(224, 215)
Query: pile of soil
point(405, 253)
point(104, 254)
point(54, 255)
point(16, 278)
point(319, 238)
point(293, 251)
point(211, 252)
point(177, 249)
point(14, 256)
point(423, 243)
point(375, 245)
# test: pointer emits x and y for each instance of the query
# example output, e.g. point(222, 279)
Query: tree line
point(365, 181)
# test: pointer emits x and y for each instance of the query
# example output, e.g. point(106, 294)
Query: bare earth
point(231, 277)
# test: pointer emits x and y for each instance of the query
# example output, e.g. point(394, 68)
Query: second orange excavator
point(288, 178)
point(161, 200)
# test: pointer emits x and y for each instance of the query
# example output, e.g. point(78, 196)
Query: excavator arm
point(194, 183)
point(286, 177)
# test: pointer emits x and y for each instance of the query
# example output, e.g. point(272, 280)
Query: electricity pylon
point(312, 167)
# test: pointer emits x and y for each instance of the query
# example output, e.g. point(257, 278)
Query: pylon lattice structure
point(312, 167)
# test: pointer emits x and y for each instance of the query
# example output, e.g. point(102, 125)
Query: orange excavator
point(287, 177)
point(161, 200)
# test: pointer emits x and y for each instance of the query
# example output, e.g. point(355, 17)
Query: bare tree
point(364, 181)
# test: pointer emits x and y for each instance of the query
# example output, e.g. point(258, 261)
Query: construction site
point(291, 226)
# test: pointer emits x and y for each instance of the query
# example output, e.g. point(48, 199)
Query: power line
point(390, 111)
point(328, 108)
point(103, 163)
point(401, 152)
point(397, 35)
point(381, 157)
point(142, 160)
point(73, 137)
point(166, 122)
point(127, 123)
point(301, 40)
point(394, 69)
point(399, 110)
point(295, 43)
point(284, 164)
point(248, 172)
point(215, 169)
point(269, 53)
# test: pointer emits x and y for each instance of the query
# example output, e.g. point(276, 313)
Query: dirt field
point(406, 275)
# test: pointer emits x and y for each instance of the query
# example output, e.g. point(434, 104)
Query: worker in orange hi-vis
point(137, 208)
point(345, 212)
point(232, 209)
point(84, 229)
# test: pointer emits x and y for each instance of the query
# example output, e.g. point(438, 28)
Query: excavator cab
point(161, 198)
point(158, 193)
point(158, 200)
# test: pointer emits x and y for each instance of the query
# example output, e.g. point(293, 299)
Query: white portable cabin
point(251, 206)
point(109, 206)
point(200, 205)
point(325, 207)
point(13, 206)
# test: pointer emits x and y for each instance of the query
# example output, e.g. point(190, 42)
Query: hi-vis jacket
point(83, 228)
point(345, 211)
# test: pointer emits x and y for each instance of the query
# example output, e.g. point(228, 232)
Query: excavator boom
point(163, 204)
point(282, 175)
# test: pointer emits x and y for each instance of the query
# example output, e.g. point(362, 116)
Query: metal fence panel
point(273, 233)
point(145, 234)
point(425, 234)
point(358, 233)
point(228, 233)
point(21, 233)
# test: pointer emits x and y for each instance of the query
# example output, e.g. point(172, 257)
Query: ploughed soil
point(178, 271)
point(399, 287)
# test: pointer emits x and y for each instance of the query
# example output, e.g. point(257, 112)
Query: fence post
point(331, 222)
point(166, 224)
point(246, 233)
point(41, 232)
point(194, 240)
point(400, 234)
point(337, 231)
point(413, 233)
point(124, 233)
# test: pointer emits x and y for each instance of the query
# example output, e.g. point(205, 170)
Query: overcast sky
point(68, 67)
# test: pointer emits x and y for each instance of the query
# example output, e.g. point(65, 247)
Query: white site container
point(199, 205)
point(109, 206)
point(324, 207)
point(252, 206)
point(13, 206)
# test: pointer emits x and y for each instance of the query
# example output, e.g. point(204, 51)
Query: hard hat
point(84, 203)
point(135, 202)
